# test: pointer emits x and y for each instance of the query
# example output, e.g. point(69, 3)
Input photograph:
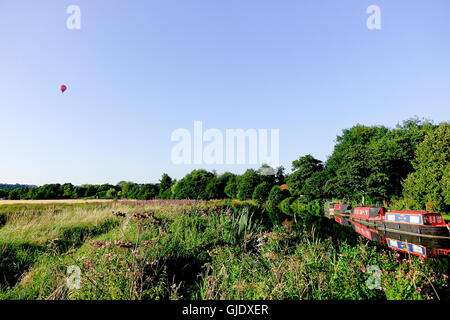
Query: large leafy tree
point(428, 184)
point(261, 192)
point(215, 188)
point(247, 184)
point(231, 188)
point(193, 185)
point(307, 177)
point(164, 186)
point(370, 162)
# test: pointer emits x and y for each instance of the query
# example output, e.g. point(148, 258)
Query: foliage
point(371, 162)
point(428, 184)
point(285, 206)
point(261, 192)
point(247, 184)
point(305, 178)
point(225, 251)
point(193, 185)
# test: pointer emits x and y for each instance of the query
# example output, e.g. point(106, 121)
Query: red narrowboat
point(421, 223)
point(368, 215)
point(342, 210)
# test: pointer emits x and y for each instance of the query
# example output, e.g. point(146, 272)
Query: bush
point(261, 192)
point(247, 184)
point(285, 206)
point(298, 206)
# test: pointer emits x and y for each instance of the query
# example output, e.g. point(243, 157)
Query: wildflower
point(96, 244)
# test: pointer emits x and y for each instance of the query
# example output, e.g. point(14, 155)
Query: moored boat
point(423, 223)
point(367, 215)
point(342, 210)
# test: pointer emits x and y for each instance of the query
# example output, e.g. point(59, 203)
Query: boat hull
point(435, 231)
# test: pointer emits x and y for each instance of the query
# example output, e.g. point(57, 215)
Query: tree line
point(406, 167)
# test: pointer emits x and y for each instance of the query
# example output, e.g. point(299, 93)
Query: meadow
point(179, 249)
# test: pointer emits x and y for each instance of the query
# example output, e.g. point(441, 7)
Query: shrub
point(285, 206)
point(247, 184)
point(261, 192)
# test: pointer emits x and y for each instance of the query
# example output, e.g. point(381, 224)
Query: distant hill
point(15, 186)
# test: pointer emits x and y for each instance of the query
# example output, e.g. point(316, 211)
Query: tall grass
point(207, 250)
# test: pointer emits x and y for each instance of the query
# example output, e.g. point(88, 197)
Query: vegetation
point(197, 250)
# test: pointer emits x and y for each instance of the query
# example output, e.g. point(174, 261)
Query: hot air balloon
point(62, 88)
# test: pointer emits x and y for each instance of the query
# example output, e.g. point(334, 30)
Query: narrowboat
point(423, 223)
point(342, 210)
point(369, 216)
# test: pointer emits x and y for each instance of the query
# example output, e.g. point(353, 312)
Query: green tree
point(261, 192)
point(371, 162)
point(14, 195)
point(193, 185)
point(111, 193)
point(165, 184)
point(247, 184)
point(231, 188)
point(428, 183)
point(307, 177)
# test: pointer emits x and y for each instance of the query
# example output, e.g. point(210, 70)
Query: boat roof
point(411, 212)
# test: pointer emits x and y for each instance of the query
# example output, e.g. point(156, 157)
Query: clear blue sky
point(137, 70)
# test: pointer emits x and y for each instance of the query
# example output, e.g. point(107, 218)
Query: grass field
point(196, 250)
